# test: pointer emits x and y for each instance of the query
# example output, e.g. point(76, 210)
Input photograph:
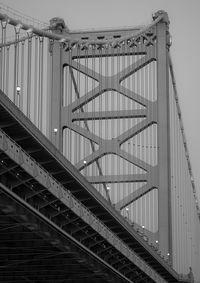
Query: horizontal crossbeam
point(117, 178)
point(137, 113)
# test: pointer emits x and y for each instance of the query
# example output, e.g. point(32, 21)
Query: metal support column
point(164, 218)
point(55, 102)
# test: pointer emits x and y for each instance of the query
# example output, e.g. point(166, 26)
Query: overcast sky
point(184, 28)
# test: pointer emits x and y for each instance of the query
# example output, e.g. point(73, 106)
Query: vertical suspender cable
point(135, 140)
point(140, 135)
point(105, 108)
point(40, 92)
point(29, 74)
point(150, 146)
point(152, 156)
point(50, 84)
point(112, 130)
point(92, 145)
point(1, 60)
point(155, 136)
point(3, 54)
point(36, 82)
point(7, 69)
point(85, 107)
point(175, 205)
point(73, 98)
point(16, 64)
point(146, 144)
point(178, 195)
point(81, 89)
point(69, 99)
point(122, 122)
point(75, 85)
point(128, 106)
point(22, 77)
point(100, 109)
point(116, 126)
point(66, 135)
point(176, 190)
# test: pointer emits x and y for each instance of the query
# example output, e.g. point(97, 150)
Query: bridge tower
point(114, 179)
point(109, 68)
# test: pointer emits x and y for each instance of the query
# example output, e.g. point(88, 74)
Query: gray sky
point(184, 28)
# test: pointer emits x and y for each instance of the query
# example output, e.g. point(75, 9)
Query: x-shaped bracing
point(113, 146)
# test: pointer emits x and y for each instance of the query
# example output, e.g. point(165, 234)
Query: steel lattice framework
point(107, 102)
point(87, 106)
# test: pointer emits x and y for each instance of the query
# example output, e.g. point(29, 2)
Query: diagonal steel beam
point(136, 66)
point(8, 169)
point(90, 95)
point(133, 197)
point(90, 159)
point(85, 70)
point(134, 160)
point(132, 95)
point(141, 126)
point(85, 133)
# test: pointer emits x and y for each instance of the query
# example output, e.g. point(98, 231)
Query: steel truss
point(152, 45)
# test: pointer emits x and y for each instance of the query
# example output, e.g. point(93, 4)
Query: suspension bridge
point(95, 178)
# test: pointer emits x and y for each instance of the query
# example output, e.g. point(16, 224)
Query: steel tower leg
point(55, 131)
point(55, 79)
point(164, 210)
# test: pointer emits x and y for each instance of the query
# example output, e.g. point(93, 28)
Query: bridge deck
point(33, 252)
point(32, 141)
